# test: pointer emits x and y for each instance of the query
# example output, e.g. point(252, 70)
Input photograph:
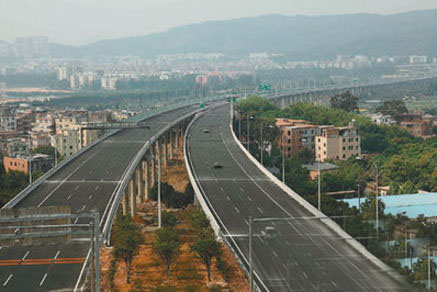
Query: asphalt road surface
point(305, 255)
point(86, 185)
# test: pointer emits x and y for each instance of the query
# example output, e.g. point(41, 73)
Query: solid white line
point(43, 279)
point(25, 255)
point(89, 198)
point(7, 280)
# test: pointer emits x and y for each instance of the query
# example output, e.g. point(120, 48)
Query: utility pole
point(159, 187)
point(262, 143)
point(250, 254)
point(429, 269)
point(319, 203)
point(283, 157)
point(377, 203)
point(248, 135)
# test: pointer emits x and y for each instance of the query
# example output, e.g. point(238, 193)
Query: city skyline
point(80, 22)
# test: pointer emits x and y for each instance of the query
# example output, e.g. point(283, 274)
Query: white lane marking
point(83, 208)
point(59, 185)
point(75, 221)
point(7, 280)
point(76, 188)
point(69, 197)
point(260, 210)
point(236, 209)
point(56, 255)
point(25, 255)
point(43, 279)
point(96, 188)
point(305, 275)
point(275, 254)
point(89, 198)
point(227, 198)
point(333, 284)
point(250, 199)
point(221, 188)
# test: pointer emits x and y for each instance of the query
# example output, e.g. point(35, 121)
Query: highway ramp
point(306, 255)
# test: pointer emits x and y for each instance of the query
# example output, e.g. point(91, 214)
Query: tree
point(395, 108)
point(170, 197)
point(127, 237)
point(168, 219)
point(199, 220)
point(167, 246)
point(345, 101)
point(206, 248)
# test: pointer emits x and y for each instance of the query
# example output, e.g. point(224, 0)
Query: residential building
point(32, 47)
point(66, 142)
point(418, 128)
point(322, 167)
point(338, 143)
point(38, 163)
point(39, 139)
point(293, 139)
point(17, 146)
point(381, 119)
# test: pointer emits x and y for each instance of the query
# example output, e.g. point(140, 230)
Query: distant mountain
point(295, 36)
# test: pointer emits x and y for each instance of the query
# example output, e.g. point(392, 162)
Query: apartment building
point(337, 143)
point(66, 142)
point(418, 128)
point(38, 163)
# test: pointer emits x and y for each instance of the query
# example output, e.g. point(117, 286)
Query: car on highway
point(206, 130)
point(217, 165)
point(269, 232)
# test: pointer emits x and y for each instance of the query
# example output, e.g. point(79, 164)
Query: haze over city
point(233, 145)
point(81, 22)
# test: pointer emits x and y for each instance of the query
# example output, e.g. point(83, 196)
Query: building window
point(318, 139)
point(344, 148)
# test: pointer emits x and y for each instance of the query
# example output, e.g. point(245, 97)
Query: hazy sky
point(83, 21)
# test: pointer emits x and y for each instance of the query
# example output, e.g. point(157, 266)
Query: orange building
point(418, 128)
point(16, 164)
point(296, 135)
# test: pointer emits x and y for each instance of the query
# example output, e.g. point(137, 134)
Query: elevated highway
point(120, 169)
point(308, 254)
point(87, 183)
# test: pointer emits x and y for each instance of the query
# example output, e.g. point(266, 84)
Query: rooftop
point(412, 204)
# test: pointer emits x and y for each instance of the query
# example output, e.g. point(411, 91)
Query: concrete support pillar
point(140, 184)
point(153, 165)
point(171, 142)
point(124, 204)
point(165, 149)
point(177, 136)
point(132, 198)
point(146, 179)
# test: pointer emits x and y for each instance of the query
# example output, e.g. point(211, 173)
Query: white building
point(381, 119)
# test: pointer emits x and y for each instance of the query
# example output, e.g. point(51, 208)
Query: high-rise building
point(32, 47)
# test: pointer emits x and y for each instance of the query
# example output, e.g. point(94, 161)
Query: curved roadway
point(306, 255)
point(85, 184)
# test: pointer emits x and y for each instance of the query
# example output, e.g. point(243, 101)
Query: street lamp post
point(261, 144)
point(376, 197)
point(248, 133)
point(319, 201)
point(283, 156)
point(159, 189)
point(250, 254)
